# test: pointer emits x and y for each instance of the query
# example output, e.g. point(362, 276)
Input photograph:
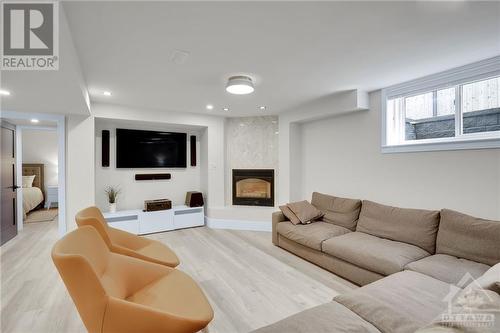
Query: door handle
point(14, 187)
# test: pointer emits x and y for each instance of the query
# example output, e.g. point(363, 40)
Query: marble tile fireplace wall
point(251, 143)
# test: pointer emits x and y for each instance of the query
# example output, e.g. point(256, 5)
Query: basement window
point(458, 109)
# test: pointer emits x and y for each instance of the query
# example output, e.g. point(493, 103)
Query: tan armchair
point(126, 243)
point(116, 293)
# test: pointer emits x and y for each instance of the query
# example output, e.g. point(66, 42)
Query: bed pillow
point(305, 212)
point(289, 214)
point(28, 181)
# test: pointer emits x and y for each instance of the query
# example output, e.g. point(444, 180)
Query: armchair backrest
point(92, 216)
point(81, 257)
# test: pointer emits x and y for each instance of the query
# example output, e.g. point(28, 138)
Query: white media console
point(139, 222)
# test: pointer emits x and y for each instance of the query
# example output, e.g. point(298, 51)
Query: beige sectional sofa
point(407, 260)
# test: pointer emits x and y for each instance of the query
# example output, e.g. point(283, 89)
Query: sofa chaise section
point(327, 318)
point(402, 302)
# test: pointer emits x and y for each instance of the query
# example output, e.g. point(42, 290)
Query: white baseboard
point(238, 224)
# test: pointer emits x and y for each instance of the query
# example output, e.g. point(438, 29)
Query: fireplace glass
point(253, 187)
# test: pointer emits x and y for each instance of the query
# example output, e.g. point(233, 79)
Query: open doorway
point(38, 166)
point(39, 173)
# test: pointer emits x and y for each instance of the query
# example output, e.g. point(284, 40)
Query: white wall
point(80, 180)
point(251, 143)
point(341, 156)
point(40, 146)
point(290, 154)
point(133, 193)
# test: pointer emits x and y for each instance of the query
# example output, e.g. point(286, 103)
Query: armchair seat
point(125, 243)
point(176, 294)
point(159, 253)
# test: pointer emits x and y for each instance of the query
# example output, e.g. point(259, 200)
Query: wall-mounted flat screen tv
point(150, 149)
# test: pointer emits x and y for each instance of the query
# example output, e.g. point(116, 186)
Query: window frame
point(456, 77)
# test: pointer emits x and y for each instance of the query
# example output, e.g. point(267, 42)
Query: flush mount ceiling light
point(240, 85)
point(210, 107)
point(107, 93)
point(225, 109)
point(262, 108)
point(4, 92)
point(34, 121)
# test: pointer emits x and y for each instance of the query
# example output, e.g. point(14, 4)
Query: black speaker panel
point(193, 150)
point(105, 148)
point(152, 176)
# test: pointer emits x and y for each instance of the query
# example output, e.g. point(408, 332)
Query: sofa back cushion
point(340, 211)
point(413, 226)
point(469, 237)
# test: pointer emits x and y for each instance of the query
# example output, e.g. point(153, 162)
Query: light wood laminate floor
point(249, 282)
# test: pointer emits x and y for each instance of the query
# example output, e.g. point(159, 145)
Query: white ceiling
point(27, 122)
point(295, 51)
point(62, 91)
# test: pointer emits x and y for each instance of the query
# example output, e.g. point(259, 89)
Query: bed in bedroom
point(33, 187)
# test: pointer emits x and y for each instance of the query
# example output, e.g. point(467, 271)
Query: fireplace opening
point(253, 187)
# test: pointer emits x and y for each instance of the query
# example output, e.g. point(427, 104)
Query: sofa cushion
point(376, 254)
point(289, 214)
point(448, 268)
point(413, 226)
point(327, 318)
point(304, 211)
point(490, 280)
point(310, 235)
point(339, 211)
point(469, 237)
point(402, 302)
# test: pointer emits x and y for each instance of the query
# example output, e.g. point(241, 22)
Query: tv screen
point(150, 149)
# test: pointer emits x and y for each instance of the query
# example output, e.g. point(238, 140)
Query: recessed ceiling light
point(210, 107)
point(4, 92)
point(34, 121)
point(225, 109)
point(262, 107)
point(240, 85)
point(107, 93)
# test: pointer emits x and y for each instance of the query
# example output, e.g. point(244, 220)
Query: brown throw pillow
point(289, 214)
point(305, 212)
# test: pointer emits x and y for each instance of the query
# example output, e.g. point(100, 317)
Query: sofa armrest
point(277, 218)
